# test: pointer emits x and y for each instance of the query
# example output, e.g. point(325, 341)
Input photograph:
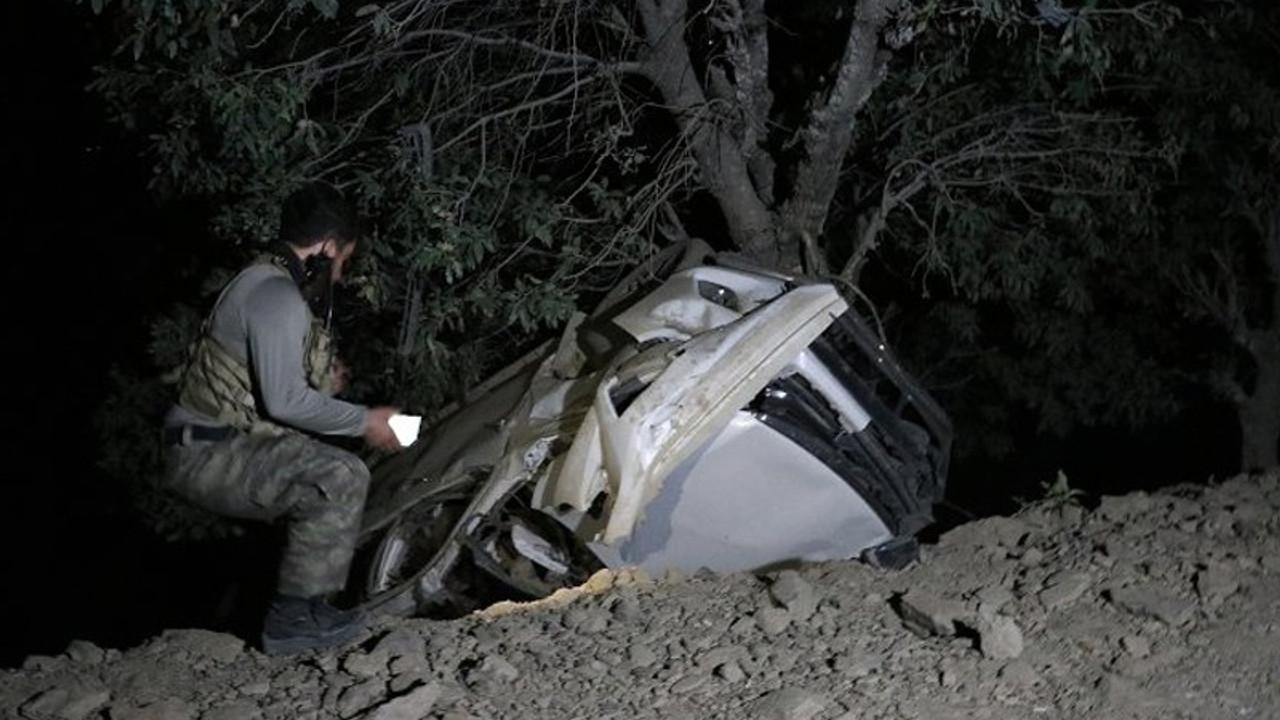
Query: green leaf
point(327, 8)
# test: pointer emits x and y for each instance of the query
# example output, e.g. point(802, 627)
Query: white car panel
point(751, 499)
point(713, 375)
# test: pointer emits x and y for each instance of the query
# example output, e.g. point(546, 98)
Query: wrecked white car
point(705, 416)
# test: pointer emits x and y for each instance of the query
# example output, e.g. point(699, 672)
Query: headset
point(318, 267)
point(314, 277)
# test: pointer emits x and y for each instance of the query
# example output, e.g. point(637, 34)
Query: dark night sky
point(82, 274)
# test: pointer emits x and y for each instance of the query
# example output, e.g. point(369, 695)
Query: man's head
point(316, 219)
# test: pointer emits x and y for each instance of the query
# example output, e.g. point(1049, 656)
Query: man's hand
point(377, 429)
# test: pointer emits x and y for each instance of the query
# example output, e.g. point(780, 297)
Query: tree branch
point(1216, 292)
point(745, 86)
point(1018, 149)
point(478, 39)
point(721, 159)
point(1271, 251)
point(827, 136)
point(515, 110)
point(870, 226)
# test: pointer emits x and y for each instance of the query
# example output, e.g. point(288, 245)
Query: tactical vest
point(214, 383)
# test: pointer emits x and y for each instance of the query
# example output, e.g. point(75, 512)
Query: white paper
point(406, 428)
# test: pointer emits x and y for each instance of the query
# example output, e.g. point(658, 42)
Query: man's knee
point(347, 477)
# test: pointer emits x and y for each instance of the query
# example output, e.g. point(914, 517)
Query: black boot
point(295, 624)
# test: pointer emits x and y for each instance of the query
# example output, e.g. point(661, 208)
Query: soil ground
point(1150, 605)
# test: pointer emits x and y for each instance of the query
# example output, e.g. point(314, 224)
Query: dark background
point(86, 255)
point(87, 258)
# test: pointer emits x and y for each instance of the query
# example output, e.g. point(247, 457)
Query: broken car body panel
point(684, 405)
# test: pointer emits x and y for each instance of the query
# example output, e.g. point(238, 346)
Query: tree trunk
point(829, 132)
point(721, 159)
point(726, 160)
point(1260, 412)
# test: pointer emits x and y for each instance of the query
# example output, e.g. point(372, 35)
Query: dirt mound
point(1162, 605)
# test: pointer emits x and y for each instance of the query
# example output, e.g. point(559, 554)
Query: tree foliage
point(996, 174)
point(1009, 181)
point(1214, 89)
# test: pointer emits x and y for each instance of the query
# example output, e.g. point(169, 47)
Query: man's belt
point(183, 434)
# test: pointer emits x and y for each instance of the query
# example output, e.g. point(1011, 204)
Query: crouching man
point(256, 397)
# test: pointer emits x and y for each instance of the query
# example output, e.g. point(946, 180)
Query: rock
point(360, 697)
point(493, 668)
point(1182, 508)
point(40, 663)
point(745, 625)
point(1008, 532)
point(1070, 515)
point(365, 665)
point(170, 709)
point(401, 643)
point(788, 704)
point(858, 664)
point(592, 669)
point(1031, 557)
point(985, 534)
point(1253, 519)
point(1064, 588)
point(408, 664)
point(999, 637)
point(216, 646)
point(957, 673)
point(627, 608)
point(1135, 645)
point(1118, 508)
point(995, 596)
point(947, 678)
point(730, 672)
point(772, 620)
point(402, 681)
point(926, 614)
point(1121, 552)
point(586, 619)
point(489, 637)
point(720, 655)
point(1153, 601)
point(239, 710)
point(84, 652)
point(71, 700)
point(1019, 673)
point(415, 705)
point(792, 592)
point(1140, 666)
point(688, 683)
point(1216, 581)
point(642, 656)
point(256, 688)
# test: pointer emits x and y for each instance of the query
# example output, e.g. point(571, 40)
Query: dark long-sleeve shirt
point(263, 321)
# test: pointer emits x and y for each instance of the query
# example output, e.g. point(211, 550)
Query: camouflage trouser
point(318, 489)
